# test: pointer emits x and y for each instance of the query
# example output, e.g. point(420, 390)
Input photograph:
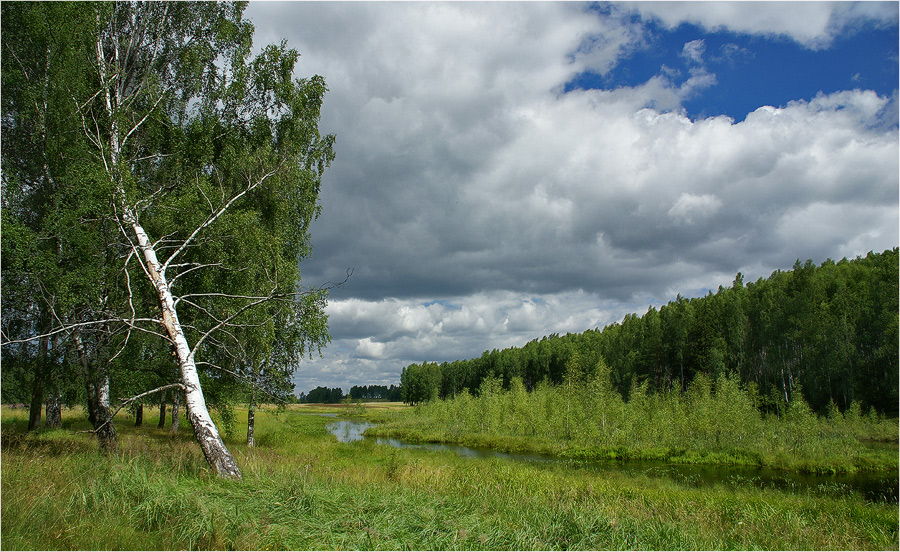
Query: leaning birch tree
point(208, 161)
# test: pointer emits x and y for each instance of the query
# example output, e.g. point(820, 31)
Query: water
point(347, 432)
point(876, 487)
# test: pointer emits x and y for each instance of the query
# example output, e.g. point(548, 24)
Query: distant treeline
point(361, 392)
point(375, 392)
point(829, 332)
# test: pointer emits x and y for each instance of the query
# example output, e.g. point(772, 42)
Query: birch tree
point(55, 266)
point(208, 162)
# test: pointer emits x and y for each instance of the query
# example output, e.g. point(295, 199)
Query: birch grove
point(208, 161)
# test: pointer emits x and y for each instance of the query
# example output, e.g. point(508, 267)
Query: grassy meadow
point(304, 490)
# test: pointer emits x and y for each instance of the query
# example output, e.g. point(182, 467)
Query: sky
point(506, 171)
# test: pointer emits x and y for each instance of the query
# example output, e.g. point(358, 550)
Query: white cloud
point(443, 331)
point(690, 207)
point(694, 50)
point(812, 24)
point(846, 228)
point(368, 349)
point(464, 175)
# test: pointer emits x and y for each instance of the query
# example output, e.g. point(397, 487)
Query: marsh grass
point(304, 490)
point(713, 423)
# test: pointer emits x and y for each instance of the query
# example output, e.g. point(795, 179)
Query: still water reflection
point(877, 487)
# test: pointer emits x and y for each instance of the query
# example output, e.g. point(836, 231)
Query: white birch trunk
point(96, 379)
point(54, 411)
point(176, 421)
point(251, 422)
point(220, 460)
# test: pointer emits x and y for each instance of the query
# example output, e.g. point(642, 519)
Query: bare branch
point(200, 189)
point(332, 285)
point(139, 123)
point(130, 305)
point(196, 266)
point(212, 218)
point(226, 321)
point(246, 297)
point(246, 380)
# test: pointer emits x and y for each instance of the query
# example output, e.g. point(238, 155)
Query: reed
point(713, 423)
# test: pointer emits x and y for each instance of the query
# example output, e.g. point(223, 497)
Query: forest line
point(828, 333)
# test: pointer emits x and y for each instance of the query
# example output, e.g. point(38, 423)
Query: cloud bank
point(481, 205)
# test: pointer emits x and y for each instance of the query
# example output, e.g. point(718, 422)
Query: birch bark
point(96, 381)
point(214, 450)
point(251, 419)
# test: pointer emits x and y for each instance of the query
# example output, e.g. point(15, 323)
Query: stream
point(875, 487)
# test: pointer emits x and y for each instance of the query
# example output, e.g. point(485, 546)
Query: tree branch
point(212, 218)
point(246, 380)
point(130, 400)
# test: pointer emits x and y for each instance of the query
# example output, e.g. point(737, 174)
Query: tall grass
point(714, 422)
point(304, 490)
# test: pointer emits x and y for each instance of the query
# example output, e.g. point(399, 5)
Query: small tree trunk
point(54, 396)
point(100, 414)
point(162, 411)
point(139, 415)
point(96, 383)
point(37, 399)
point(176, 421)
point(251, 411)
point(37, 386)
point(54, 411)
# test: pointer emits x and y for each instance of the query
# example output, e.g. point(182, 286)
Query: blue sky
point(509, 170)
point(751, 71)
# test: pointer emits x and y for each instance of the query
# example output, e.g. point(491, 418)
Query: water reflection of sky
point(347, 432)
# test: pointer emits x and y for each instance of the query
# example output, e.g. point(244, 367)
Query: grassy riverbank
point(713, 423)
point(303, 490)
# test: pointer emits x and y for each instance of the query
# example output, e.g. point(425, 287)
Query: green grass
point(303, 490)
point(718, 425)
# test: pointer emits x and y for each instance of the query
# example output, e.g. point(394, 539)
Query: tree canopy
point(158, 186)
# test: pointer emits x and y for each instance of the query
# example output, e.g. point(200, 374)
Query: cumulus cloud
point(812, 24)
point(373, 340)
point(481, 207)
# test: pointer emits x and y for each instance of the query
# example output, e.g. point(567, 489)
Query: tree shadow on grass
point(55, 442)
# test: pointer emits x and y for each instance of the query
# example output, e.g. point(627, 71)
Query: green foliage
point(829, 330)
point(225, 419)
point(714, 422)
point(324, 395)
point(420, 383)
point(371, 392)
point(156, 116)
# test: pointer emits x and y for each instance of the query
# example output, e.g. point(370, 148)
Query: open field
point(304, 490)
